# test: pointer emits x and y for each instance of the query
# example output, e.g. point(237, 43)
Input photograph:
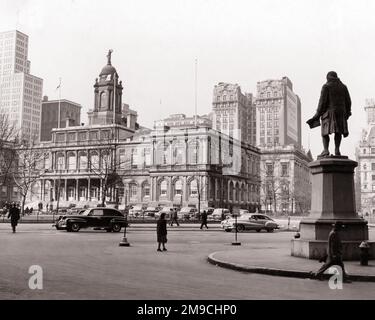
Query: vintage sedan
point(99, 218)
point(250, 221)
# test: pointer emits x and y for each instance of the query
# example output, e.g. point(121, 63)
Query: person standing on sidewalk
point(174, 218)
point(204, 219)
point(14, 215)
point(334, 253)
point(161, 232)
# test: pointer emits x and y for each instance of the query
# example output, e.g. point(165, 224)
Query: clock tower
point(108, 96)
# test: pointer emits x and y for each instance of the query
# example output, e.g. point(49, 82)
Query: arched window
point(178, 188)
point(163, 154)
point(237, 193)
point(231, 191)
point(163, 188)
point(47, 162)
point(105, 159)
point(103, 100)
point(133, 190)
point(178, 154)
point(145, 189)
point(194, 188)
point(94, 160)
point(71, 161)
point(60, 161)
point(83, 160)
point(134, 157)
point(122, 159)
point(194, 152)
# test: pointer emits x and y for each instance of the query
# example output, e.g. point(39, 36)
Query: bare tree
point(272, 184)
point(107, 165)
point(29, 169)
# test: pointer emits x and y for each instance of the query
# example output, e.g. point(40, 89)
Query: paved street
point(91, 265)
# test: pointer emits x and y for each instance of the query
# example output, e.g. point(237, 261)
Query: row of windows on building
point(268, 94)
point(269, 132)
point(234, 192)
point(270, 141)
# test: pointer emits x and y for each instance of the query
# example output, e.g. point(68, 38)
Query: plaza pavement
point(279, 262)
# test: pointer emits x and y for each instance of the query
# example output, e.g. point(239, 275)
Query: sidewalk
point(279, 262)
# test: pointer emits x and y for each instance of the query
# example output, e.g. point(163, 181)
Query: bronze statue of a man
point(334, 109)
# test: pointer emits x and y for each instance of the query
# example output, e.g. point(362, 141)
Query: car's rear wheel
point(258, 230)
point(74, 227)
point(116, 227)
point(228, 230)
point(240, 228)
point(270, 230)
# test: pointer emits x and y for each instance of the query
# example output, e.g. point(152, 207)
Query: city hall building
point(177, 163)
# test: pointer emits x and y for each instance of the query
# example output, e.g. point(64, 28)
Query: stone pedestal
point(333, 199)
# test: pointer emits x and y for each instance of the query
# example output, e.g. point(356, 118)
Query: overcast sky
point(155, 44)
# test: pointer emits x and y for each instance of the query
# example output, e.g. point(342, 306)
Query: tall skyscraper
point(278, 113)
point(20, 92)
point(233, 112)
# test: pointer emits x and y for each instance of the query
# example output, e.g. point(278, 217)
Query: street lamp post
point(124, 242)
point(235, 243)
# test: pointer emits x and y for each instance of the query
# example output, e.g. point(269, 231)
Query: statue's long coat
point(334, 108)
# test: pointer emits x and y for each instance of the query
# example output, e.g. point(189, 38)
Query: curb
point(278, 272)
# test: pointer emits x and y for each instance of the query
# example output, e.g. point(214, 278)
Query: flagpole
point(59, 111)
point(114, 97)
point(196, 80)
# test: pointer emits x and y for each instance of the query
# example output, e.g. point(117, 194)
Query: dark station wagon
point(98, 218)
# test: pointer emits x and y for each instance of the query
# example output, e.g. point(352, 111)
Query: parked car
point(250, 221)
point(151, 211)
point(136, 210)
point(167, 211)
point(187, 213)
point(99, 218)
point(217, 214)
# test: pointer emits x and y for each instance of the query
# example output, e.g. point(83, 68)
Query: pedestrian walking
point(161, 232)
point(14, 215)
point(174, 218)
point(26, 211)
point(31, 211)
point(334, 253)
point(204, 219)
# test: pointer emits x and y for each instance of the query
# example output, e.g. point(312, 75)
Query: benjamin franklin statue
point(334, 109)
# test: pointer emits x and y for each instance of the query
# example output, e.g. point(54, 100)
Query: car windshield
point(186, 209)
point(86, 212)
point(150, 208)
point(137, 208)
point(217, 211)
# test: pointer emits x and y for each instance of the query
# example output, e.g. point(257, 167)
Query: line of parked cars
point(184, 213)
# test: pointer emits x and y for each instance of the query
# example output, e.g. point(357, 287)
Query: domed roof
point(107, 69)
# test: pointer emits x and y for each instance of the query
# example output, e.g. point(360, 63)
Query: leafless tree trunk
point(29, 169)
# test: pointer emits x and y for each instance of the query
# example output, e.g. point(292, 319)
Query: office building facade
point(278, 114)
point(20, 92)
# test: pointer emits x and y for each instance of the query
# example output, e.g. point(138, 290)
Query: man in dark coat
point(14, 215)
point(204, 219)
point(334, 109)
point(161, 232)
point(174, 218)
point(334, 253)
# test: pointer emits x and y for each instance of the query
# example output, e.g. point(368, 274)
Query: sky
point(155, 44)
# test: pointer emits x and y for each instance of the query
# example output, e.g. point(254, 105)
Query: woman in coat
point(14, 215)
point(161, 231)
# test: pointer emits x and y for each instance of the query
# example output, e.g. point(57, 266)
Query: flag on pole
point(59, 86)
